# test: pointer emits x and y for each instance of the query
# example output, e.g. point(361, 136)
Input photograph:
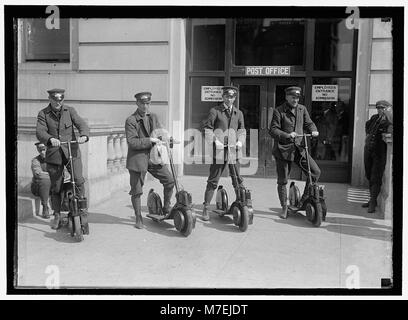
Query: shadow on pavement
point(365, 228)
point(60, 235)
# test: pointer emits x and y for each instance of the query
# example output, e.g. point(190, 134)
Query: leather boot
point(371, 206)
point(56, 223)
point(45, 211)
point(305, 196)
point(137, 207)
point(374, 192)
point(208, 195)
point(167, 193)
point(205, 216)
point(283, 198)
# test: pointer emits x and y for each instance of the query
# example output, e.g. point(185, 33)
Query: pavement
point(350, 249)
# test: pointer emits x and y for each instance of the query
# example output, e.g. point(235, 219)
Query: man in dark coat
point(225, 124)
point(55, 124)
point(375, 151)
point(142, 133)
point(40, 186)
point(290, 120)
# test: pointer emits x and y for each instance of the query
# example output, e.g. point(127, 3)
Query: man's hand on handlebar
point(293, 135)
point(155, 140)
point(315, 134)
point(239, 144)
point(82, 139)
point(55, 142)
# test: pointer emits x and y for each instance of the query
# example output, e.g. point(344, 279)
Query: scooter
point(182, 214)
point(316, 208)
point(241, 209)
point(75, 204)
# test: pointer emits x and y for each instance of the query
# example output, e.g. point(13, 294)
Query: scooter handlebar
point(66, 142)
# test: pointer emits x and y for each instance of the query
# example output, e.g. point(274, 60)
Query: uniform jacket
point(138, 139)
point(219, 121)
point(49, 126)
point(283, 123)
point(374, 129)
point(39, 168)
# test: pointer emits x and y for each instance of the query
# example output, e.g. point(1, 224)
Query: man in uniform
point(40, 186)
point(375, 151)
point(55, 124)
point(289, 120)
point(225, 123)
point(142, 133)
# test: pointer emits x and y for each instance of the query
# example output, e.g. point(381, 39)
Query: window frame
point(71, 65)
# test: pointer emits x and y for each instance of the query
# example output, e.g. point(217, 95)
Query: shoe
point(56, 223)
point(371, 207)
point(45, 212)
point(284, 212)
point(205, 216)
point(365, 205)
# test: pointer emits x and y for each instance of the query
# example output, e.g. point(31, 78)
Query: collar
point(290, 108)
point(227, 108)
point(50, 109)
point(139, 117)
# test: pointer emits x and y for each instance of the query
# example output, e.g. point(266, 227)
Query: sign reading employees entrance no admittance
point(325, 92)
point(211, 93)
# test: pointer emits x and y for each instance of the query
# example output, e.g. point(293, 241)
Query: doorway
point(257, 99)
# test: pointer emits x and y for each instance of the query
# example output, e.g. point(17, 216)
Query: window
point(269, 42)
point(43, 44)
point(332, 119)
point(333, 45)
point(208, 44)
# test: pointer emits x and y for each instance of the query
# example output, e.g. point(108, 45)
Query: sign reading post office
point(325, 92)
point(268, 71)
point(211, 93)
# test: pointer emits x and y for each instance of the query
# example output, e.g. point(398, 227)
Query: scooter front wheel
point(78, 229)
point(240, 215)
point(314, 213)
point(184, 221)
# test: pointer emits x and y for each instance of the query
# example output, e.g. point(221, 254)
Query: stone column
point(386, 195)
point(111, 154)
point(124, 148)
point(118, 152)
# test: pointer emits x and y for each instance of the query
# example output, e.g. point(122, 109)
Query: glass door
point(257, 99)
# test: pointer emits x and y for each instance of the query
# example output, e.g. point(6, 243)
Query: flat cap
point(56, 94)
point(229, 91)
point(143, 96)
point(293, 91)
point(383, 103)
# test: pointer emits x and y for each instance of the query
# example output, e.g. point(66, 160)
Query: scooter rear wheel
point(184, 221)
point(294, 195)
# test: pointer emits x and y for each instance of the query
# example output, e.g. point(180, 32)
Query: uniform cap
point(56, 94)
point(293, 91)
point(143, 96)
point(229, 91)
point(382, 103)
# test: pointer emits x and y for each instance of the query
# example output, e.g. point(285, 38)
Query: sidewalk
point(273, 253)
